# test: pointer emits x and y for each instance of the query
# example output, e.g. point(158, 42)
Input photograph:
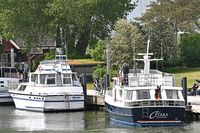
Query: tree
point(98, 52)
point(181, 14)
point(125, 43)
point(190, 50)
point(84, 20)
point(24, 20)
point(164, 19)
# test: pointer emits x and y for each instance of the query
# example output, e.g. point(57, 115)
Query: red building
point(12, 50)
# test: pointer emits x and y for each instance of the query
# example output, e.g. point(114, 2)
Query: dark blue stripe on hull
point(52, 110)
point(149, 116)
point(48, 100)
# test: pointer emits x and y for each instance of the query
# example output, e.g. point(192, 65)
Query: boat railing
point(155, 103)
point(12, 85)
point(145, 80)
point(46, 62)
point(109, 92)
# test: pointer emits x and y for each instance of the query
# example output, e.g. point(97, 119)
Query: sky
point(140, 9)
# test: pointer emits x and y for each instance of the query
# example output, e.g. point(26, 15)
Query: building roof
point(7, 45)
point(44, 43)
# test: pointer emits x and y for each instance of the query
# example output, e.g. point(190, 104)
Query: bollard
point(84, 84)
point(184, 85)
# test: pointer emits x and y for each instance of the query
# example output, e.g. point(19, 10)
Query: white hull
point(44, 103)
point(194, 101)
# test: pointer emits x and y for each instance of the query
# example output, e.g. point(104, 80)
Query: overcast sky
point(140, 9)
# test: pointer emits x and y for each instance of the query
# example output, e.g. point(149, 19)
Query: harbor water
point(13, 120)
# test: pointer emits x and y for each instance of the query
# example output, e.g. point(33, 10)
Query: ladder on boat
point(59, 79)
point(145, 112)
point(67, 101)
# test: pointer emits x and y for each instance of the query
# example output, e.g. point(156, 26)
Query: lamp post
point(108, 64)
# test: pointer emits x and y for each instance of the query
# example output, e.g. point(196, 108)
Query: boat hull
point(48, 103)
point(6, 99)
point(146, 116)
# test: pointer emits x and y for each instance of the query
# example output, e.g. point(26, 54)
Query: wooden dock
point(94, 100)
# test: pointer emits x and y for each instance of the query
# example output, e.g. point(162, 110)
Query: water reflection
point(36, 121)
point(12, 120)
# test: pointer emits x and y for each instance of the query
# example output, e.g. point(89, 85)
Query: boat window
point(75, 80)
point(66, 79)
point(143, 94)
point(51, 79)
point(22, 87)
point(32, 78)
point(42, 78)
point(172, 94)
point(120, 93)
point(129, 94)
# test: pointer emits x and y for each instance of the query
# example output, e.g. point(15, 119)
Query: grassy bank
point(191, 73)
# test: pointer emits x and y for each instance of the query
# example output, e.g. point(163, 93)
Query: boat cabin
point(54, 73)
point(155, 88)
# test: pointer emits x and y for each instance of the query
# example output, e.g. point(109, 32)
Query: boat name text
point(158, 114)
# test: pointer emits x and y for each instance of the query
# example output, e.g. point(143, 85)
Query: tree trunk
point(82, 44)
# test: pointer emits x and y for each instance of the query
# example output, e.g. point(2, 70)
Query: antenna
point(148, 42)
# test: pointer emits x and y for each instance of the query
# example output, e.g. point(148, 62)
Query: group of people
point(23, 71)
point(99, 85)
point(194, 90)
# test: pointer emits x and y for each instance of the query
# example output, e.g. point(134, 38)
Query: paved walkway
point(94, 93)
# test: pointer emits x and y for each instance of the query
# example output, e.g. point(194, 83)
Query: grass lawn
point(191, 73)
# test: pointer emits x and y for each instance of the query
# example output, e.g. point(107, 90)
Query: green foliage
point(99, 52)
point(36, 62)
point(24, 20)
point(181, 14)
point(81, 20)
point(100, 72)
point(49, 55)
point(1, 49)
point(190, 50)
point(84, 20)
point(163, 20)
point(125, 44)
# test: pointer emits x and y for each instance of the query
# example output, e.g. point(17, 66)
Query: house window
point(51, 79)
point(143, 94)
point(172, 94)
point(66, 79)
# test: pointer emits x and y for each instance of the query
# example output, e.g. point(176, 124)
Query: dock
point(94, 100)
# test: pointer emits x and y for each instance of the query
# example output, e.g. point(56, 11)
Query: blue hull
point(147, 116)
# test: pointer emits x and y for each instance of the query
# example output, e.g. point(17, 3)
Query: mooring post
point(107, 83)
point(83, 80)
point(184, 85)
point(84, 84)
